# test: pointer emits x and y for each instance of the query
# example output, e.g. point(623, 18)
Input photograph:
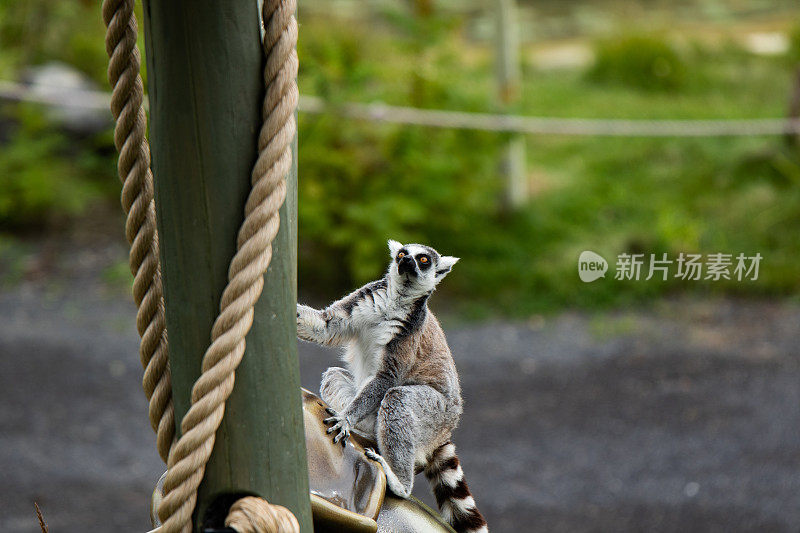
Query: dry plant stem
point(40, 517)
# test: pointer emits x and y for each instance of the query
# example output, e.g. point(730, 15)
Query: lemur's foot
point(392, 482)
point(372, 454)
point(340, 423)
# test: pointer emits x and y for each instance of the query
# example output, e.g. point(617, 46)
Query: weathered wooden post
point(508, 86)
point(206, 88)
point(792, 136)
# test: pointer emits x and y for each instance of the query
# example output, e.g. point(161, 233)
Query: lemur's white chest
point(377, 320)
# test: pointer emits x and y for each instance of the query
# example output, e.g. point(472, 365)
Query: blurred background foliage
point(638, 61)
point(361, 182)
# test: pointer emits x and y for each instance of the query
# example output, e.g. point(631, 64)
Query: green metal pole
point(205, 72)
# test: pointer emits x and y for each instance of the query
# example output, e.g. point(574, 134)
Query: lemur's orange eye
point(423, 259)
point(400, 255)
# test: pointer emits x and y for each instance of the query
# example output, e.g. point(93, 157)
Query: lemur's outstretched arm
point(333, 326)
point(328, 326)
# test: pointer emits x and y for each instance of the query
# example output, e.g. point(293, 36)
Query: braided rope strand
point(255, 515)
point(188, 457)
point(133, 168)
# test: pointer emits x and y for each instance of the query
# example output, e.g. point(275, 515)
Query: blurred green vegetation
point(361, 182)
point(638, 61)
point(72, 31)
point(46, 178)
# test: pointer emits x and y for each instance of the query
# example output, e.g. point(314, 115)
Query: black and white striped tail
point(451, 491)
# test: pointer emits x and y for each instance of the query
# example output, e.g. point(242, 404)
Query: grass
point(666, 196)
point(610, 195)
point(362, 183)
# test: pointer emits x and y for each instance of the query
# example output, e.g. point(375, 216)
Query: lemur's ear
point(394, 247)
point(446, 263)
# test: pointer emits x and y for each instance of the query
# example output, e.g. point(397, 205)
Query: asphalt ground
point(682, 416)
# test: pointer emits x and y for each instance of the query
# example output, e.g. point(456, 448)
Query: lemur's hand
point(305, 316)
point(340, 423)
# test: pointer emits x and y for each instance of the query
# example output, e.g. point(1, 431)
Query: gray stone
point(73, 101)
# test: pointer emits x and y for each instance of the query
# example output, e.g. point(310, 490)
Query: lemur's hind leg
point(338, 388)
point(409, 418)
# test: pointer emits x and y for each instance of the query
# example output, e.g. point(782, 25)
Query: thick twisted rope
point(255, 515)
point(187, 456)
point(133, 168)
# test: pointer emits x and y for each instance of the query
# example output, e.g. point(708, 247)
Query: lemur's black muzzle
point(407, 265)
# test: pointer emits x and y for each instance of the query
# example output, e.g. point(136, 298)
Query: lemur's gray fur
point(400, 387)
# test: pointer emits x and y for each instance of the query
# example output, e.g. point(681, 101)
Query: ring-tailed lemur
point(400, 387)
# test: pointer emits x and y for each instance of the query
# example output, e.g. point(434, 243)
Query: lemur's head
point(418, 267)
